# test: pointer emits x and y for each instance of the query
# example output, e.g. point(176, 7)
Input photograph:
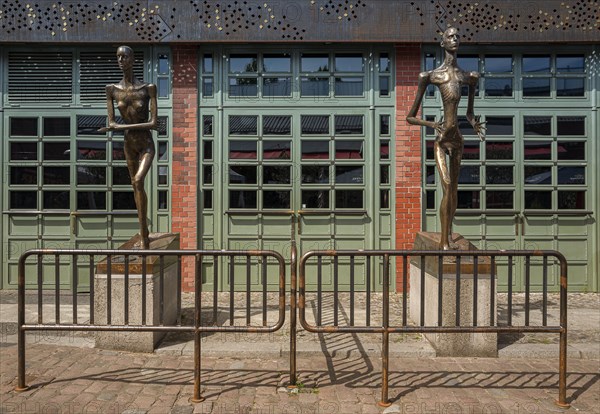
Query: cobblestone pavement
point(77, 380)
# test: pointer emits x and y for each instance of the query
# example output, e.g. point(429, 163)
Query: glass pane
point(468, 199)
point(91, 200)
point(499, 199)
point(57, 127)
point(120, 176)
point(276, 199)
point(571, 125)
point(430, 91)
point(163, 200)
point(345, 150)
point(23, 127)
point(384, 124)
point(536, 86)
point(315, 199)
point(314, 63)
point(163, 64)
point(469, 174)
point(242, 64)
point(538, 200)
point(430, 195)
point(277, 150)
point(348, 199)
point(242, 150)
point(315, 150)
point(57, 176)
point(349, 174)
point(56, 200)
point(570, 63)
point(538, 150)
point(465, 126)
point(429, 148)
point(23, 175)
point(314, 86)
point(243, 125)
point(118, 152)
point(242, 199)
point(384, 150)
point(277, 86)
point(468, 63)
point(242, 174)
point(23, 151)
point(498, 64)
point(384, 171)
point(277, 125)
point(315, 174)
point(90, 124)
point(348, 63)
point(315, 124)
point(429, 61)
point(276, 174)
point(207, 63)
point(571, 175)
point(498, 87)
point(471, 150)
point(207, 175)
point(123, 200)
point(568, 150)
point(23, 200)
point(207, 153)
point(570, 86)
point(464, 90)
point(536, 64)
point(430, 174)
point(539, 175)
point(243, 87)
point(277, 63)
point(499, 174)
point(499, 150)
point(208, 199)
point(162, 125)
point(91, 150)
point(571, 200)
point(207, 125)
point(163, 175)
point(91, 175)
point(384, 198)
point(537, 125)
point(207, 87)
point(384, 62)
point(499, 125)
point(348, 124)
point(428, 130)
point(163, 87)
point(348, 86)
point(54, 151)
point(163, 153)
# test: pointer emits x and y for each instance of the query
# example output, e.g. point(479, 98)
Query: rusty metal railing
point(382, 258)
point(126, 259)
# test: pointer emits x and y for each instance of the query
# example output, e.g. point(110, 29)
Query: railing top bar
point(435, 253)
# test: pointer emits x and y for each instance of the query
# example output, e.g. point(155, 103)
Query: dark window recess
point(499, 87)
point(570, 63)
point(243, 125)
point(384, 150)
point(430, 196)
point(348, 124)
point(429, 61)
point(537, 125)
point(207, 125)
point(384, 62)
point(276, 174)
point(471, 150)
point(499, 174)
point(429, 150)
point(163, 87)
point(242, 174)
point(430, 174)
point(315, 199)
point(207, 87)
point(57, 127)
point(468, 199)
point(536, 64)
point(346, 150)
point(496, 150)
point(498, 64)
point(315, 174)
point(314, 63)
point(91, 150)
point(538, 200)
point(384, 86)
point(163, 175)
point(23, 175)
point(279, 86)
point(91, 200)
point(118, 151)
point(315, 150)
point(242, 150)
point(243, 87)
point(538, 150)
point(499, 125)
point(277, 150)
point(242, 199)
point(242, 63)
point(208, 199)
point(465, 126)
point(23, 127)
point(384, 198)
point(570, 87)
point(469, 174)
point(90, 124)
point(384, 124)
point(349, 174)
point(430, 91)
point(348, 199)
point(428, 130)
point(55, 151)
point(384, 171)
point(207, 152)
point(207, 63)
point(538, 175)
point(207, 175)
point(533, 87)
point(163, 64)
point(568, 150)
point(163, 122)
point(571, 125)
point(277, 125)
point(91, 175)
point(314, 86)
point(571, 175)
point(276, 199)
point(314, 124)
point(348, 62)
point(57, 175)
point(123, 200)
point(120, 176)
point(23, 151)
point(571, 200)
point(23, 200)
point(468, 63)
point(349, 86)
point(163, 153)
point(499, 199)
point(56, 200)
point(277, 63)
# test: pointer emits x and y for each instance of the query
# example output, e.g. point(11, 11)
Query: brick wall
point(408, 151)
point(184, 207)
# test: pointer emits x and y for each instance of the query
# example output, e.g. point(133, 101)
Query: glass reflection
point(315, 150)
point(207, 153)
point(538, 150)
point(91, 200)
point(277, 125)
point(242, 199)
point(499, 174)
point(536, 64)
point(499, 199)
point(571, 125)
point(348, 199)
point(348, 63)
point(468, 63)
point(499, 125)
point(468, 199)
point(242, 63)
point(243, 87)
point(384, 62)
point(384, 174)
point(345, 150)
point(430, 173)
point(23, 175)
point(56, 200)
point(469, 174)
point(60, 176)
point(55, 151)
point(207, 175)
point(207, 63)
point(277, 63)
point(571, 200)
point(279, 150)
point(568, 175)
point(349, 86)
point(496, 150)
point(23, 200)
point(208, 199)
point(207, 125)
point(315, 174)
point(90, 124)
point(314, 63)
point(118, 151)
point(384, 124)
point(348, 124)
point(243, 125)
point(23, 151)
point(276, 199)
point(538, 200)
point(277, 86)
point(120, 176)
point(499, 87)
point(163, 200)
point(207, 87)
point(24, 127)
point(314, 86)
point(498, 64)
point(91, 175)
point(315, 199)
point(57, 127)
point(276, 174)
point(123, 200)
point(314, 124)
point(569, 150)
point(349, 174)
point(537, 125)
point(536, 87)
point(570, 86)
point(539, 175)
point(242, 150)
point(91, 150)
point(242, 174)
point(570, 63)
point(471, 150)
point(384, 150)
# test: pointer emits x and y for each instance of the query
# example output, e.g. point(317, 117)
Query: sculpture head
point(450, 39)
point(125, 57)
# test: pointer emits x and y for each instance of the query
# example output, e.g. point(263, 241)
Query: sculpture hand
point(479, 127)
point(439, 127)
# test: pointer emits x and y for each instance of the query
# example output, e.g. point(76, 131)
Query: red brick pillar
point(408, 151)
point(184, 209)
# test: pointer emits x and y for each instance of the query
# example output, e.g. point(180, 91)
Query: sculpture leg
point(141, 199)
point(455, 159)
point(447, 197)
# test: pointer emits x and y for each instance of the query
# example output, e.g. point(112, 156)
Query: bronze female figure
point(449, 141)
point(135, 100)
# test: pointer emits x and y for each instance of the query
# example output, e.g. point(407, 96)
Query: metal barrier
point(385, 328)
point(111, 257)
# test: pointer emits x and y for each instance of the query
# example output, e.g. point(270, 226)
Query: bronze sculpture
point(134, 100)
point(449, 141)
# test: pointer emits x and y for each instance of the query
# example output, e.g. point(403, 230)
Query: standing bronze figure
point(449, 78)
point(135, 100)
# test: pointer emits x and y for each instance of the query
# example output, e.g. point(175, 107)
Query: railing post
point(21, 386)
point(385, 348)
point(197, 397)
point(293, 287)
point(562, 367)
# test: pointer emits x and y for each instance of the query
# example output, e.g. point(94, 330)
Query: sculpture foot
point(143, 243)
point(449, 246)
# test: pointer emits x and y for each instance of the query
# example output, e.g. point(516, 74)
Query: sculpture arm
point(411, 118)
point(151, 124)
point(474, 120)
point(110, 108)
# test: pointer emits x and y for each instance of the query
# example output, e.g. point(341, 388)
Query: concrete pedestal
point(137, 341)
point(453, 344)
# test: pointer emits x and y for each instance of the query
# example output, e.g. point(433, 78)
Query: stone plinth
point(453, 344)
point(137, 341)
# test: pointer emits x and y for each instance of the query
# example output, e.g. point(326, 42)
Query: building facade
point(284, 120)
